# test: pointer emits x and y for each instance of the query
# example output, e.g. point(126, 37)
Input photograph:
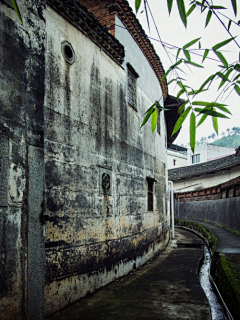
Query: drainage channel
point(217, 310)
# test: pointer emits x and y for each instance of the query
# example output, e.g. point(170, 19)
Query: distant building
point(205, 175)
point(209, 191)
point(207, 152)
point(177, 156)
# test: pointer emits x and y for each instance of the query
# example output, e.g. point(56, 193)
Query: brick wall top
point(84, 21)
point(203, 168)
point(103, 9)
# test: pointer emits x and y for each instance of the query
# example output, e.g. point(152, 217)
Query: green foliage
point(228, 74)
point(226, 276)
point(192, 131)
point(153, 111)
point(182, 11)
point(232, 141)
point(15, 7)
point(206, 233)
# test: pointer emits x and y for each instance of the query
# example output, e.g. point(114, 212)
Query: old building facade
point(209, 191)
point(83, 187)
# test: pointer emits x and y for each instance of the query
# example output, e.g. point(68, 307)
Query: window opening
point(68, 52)
point(196, 158)
point(132, 87)
point(150, 183)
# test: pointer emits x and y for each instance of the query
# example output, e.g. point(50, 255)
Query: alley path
point(165, 288)
point(227, 241)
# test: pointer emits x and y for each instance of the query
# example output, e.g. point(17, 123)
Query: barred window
point(132, 88)
point(150, 185)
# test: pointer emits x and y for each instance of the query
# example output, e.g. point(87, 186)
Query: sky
point(172, 31)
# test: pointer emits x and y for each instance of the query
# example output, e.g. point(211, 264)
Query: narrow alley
point(167, 287)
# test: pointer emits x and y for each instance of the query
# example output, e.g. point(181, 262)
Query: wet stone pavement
point(167, 287)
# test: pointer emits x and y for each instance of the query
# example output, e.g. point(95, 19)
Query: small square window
point(196, 158)
point(150, 189)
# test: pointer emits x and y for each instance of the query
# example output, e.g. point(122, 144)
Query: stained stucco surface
point(93, 237)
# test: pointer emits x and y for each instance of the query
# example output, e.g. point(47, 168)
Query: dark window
point(196, 158)
point(150, 184)
point(174, 162)
point(132, 88)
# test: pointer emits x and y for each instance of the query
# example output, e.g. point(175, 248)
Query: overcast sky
point(173, 32)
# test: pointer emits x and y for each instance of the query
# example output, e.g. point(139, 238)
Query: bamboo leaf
point(209, 16)
point(180, 120)
point(222, 58)
point(192, 131)
point(189, 44)
point(137, 5)
point(221, 44)
point(205, 55)
point(154, 119)
point(209, 79)
point(208, 104)
point(237, 67)
point(180, 85)
point(193, 64)
point(176, 64)
point(181, 108)
point(203, 118)
point(165, 75)
point(194, 92)
point(148, 115)
point(223, 108)
point(15, 7)
point(201, 103)
point(218, 7)
point(211, 113)
point(237, 89)
point(178, 52)
point(229, 24)
point(169, 2)
point(234, 4)
point(180, 93)
point(150, 108)
point(191, 9)
point(215, 123)
point(172, 81)
point(182, 11)
point(225, 78)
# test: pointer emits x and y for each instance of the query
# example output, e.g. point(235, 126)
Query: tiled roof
point(127, 16)
point(84, 21)
point(203, 168)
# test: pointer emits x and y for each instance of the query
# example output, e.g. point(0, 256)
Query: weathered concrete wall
point(225, 212)
point(21, 146)
point(92, 236)
point(148, 85)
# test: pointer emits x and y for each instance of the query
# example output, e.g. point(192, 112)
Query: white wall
point(181, 159)
point(209, 152)
point(147, 82)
